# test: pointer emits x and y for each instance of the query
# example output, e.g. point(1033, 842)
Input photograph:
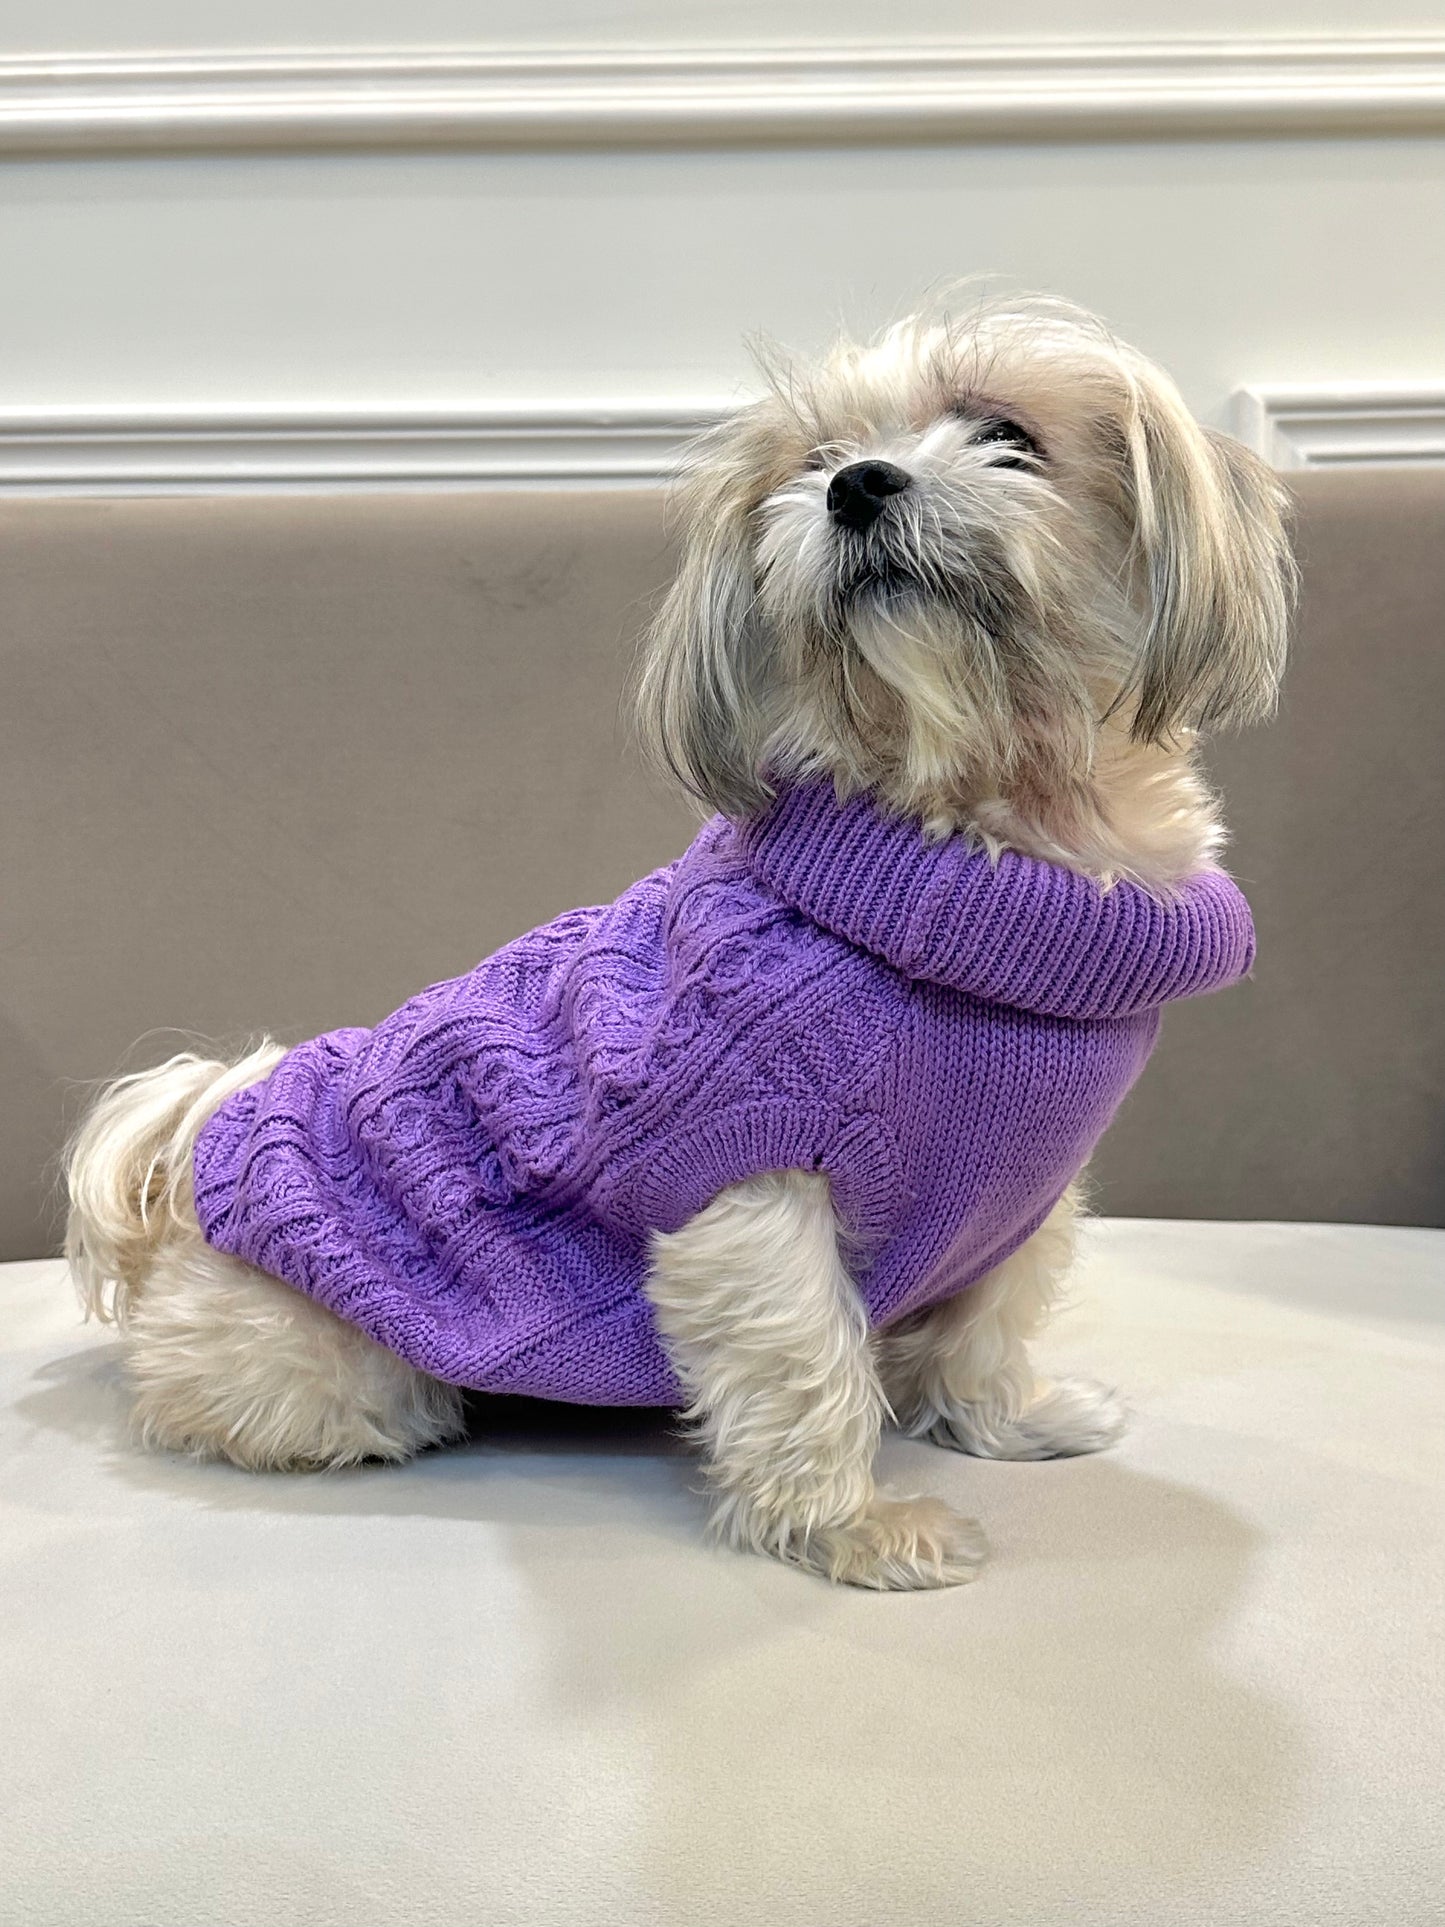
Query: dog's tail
point(128, 1170)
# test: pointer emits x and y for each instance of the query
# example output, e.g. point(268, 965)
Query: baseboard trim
point(412, 97)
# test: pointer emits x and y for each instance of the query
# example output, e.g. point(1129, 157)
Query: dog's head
point(937, 565)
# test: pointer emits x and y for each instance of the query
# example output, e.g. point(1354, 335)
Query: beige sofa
point(274, 762)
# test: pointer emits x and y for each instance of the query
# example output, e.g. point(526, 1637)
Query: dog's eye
point(1006, 435)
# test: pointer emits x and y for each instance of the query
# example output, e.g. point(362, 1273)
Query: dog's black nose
point(857, 493)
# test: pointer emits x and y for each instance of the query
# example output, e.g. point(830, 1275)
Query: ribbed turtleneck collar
point(1016, 931)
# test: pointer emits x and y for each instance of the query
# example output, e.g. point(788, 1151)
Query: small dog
point(985, 576)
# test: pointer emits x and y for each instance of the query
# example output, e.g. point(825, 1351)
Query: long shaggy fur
point(959, 1374)
point(1072, 579)
point(1025, 643)
point(768, 1335)
point(224, 1361)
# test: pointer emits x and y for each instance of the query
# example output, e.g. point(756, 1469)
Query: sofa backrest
point(273, 762)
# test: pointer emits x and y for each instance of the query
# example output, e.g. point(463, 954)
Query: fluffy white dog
point(990, 572)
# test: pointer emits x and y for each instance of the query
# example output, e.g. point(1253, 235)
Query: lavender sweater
point(475, 1181)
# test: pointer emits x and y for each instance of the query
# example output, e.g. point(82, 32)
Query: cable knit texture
point(475, 1182)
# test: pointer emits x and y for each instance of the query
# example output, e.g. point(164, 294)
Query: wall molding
point(1327, 426)
point(130, 451)
point(404, 97)
point(115, 452)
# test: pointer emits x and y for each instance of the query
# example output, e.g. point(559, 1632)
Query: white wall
point(463, 278)
point(455, 278)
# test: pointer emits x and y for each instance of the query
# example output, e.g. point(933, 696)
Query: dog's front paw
point(1066, 1419)
point(892, 1545)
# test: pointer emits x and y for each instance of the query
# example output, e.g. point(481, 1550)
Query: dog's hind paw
point(1070, 1417)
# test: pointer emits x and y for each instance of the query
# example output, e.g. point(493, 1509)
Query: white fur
point(770, 1340)
point(1024, 646)
point(958, 1372)
point(225, 1362)
point(1038, 634)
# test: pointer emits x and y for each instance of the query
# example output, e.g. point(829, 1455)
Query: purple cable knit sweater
point(475, 1181)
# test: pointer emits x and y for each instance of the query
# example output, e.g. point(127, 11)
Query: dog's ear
point(1216, 576)
point(706, 664)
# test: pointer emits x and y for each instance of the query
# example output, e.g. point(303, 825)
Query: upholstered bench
point(509, 1684)
point(1200, 1680)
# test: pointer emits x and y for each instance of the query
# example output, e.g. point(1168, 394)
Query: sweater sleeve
point(1014, 931)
